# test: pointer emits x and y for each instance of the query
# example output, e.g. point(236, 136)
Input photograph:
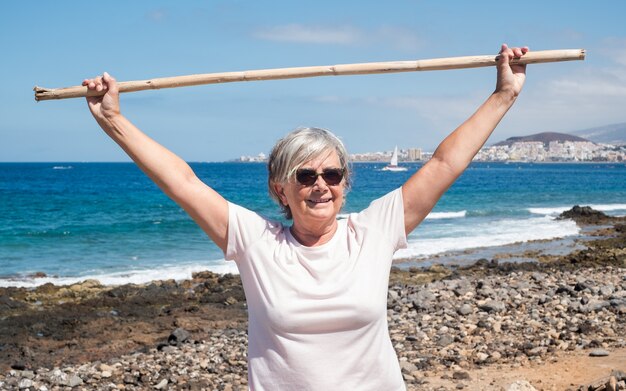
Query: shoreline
point(123, 331)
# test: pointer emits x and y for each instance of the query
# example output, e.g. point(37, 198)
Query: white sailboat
point(393, 164)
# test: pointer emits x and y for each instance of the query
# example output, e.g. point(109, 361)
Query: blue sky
point(57, 44)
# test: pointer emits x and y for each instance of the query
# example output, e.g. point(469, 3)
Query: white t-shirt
point(318, 315)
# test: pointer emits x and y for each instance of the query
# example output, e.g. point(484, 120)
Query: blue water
point(108, 221)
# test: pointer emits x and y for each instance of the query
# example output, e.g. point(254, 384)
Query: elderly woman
point(316, 290)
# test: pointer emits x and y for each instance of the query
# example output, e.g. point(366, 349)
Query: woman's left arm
point(424, 188)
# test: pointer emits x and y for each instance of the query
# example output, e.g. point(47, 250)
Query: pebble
point(598, 353)
point(520, 385)
point(452, 325)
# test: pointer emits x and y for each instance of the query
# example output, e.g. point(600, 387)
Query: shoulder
point(245, 227)
point(241, 215)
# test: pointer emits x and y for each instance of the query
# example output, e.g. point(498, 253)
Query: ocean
point(74, 221)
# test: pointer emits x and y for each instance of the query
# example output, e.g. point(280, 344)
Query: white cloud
point(591, 87)
point(390, 36)
point(398, 38)
point(157, 15)
point(309, 34)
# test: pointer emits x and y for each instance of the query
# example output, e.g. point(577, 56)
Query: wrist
point(111, 121)
point(505, 96)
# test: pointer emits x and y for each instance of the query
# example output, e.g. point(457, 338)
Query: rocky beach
point(555, 322)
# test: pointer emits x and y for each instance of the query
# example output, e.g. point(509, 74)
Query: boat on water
point(393, 164)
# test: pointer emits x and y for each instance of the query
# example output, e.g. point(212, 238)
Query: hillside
point(609, 134)
point(545, 138)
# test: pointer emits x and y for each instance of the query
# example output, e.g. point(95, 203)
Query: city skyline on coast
point(605, 143)
point(148, 39)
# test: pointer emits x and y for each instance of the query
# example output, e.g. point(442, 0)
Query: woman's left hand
point(510, 77)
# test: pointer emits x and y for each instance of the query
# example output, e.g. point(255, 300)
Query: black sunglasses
point(308, 177)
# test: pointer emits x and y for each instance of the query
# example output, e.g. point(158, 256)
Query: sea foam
point(136, 276)
point(487, 234)
point(554, 211)
point(446, 215)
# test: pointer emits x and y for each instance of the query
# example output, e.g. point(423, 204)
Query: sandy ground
point(565, 371)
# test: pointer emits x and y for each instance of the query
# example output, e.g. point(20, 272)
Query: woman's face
point(319, 202)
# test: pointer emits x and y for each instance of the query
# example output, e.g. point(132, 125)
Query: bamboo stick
point(331, 70)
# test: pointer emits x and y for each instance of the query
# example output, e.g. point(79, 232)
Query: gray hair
point(295, 149)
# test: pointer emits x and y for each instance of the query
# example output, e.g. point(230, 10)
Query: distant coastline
point(547, 147)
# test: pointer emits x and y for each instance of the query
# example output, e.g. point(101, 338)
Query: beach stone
point(493, 306)
point(465, 309)
point(162, 385)
point(495, 356)
point(463, 287)
point(461, 375)
point(58, 377)
point(611, 385)
point(178, 336)
point(24, 383)
point(423, 299)
point(595, 306)
point(520, 385)
point(607, 290)
point(74, 381)
point(407, 367)
point(598, 353)
point(445, 340)
point(27, 374)
point(538, 351)
point(537, 276)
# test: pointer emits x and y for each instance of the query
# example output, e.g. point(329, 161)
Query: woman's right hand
point(107, 106)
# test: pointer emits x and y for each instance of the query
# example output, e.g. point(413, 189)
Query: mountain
point(545, 138)
point(609, 134)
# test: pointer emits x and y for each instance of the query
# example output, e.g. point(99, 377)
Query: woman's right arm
point(172, 174)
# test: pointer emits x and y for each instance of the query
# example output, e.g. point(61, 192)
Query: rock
point(11, 304)
point(28, 375)
point(423, 300)
point(445, 340)
point(607, 290)
point(495, 356)
point(231, 301)
point(74, 381)
point(162, 384)
point(595, 306)
point(520, 385)
point(58, 377)
point(461, 375)
point(465, 309)
point(538, 351)
point(492, 306)
point(24, 383)
point(539, 277)
point(584, 215)
point(611, 385)
point(407, 367)
point(598, 353)
point(178, 336)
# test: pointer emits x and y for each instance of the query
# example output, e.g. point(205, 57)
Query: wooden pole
point(331, 70)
